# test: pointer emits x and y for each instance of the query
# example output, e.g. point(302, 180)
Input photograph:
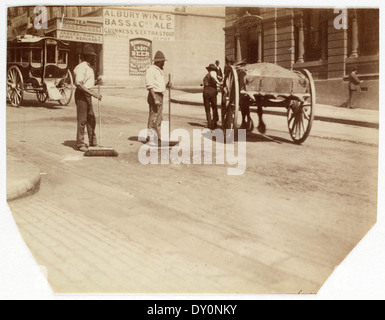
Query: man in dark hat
point(156, 86)
point(84, 81)
point(210, 92)
point(354, 86)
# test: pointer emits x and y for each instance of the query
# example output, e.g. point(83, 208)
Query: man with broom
point(156, 86)
point(84, 81)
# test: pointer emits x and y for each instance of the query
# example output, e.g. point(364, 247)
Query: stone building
point(127, 37)
point(308, 38)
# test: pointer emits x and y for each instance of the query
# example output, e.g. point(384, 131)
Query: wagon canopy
point(273, 81)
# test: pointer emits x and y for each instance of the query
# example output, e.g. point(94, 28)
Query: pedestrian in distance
point(210, 92)
point(354, 87)
point(156, 86)
point(85, 81)
point(219, 71)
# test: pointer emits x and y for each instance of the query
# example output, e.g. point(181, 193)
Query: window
point(17, 55)
point(11, 55)
point(314, 28)
point(368, 31)
point(312, 33)
point(25, 55)
point(37, 56)
point(62, 57)
point(51, 53)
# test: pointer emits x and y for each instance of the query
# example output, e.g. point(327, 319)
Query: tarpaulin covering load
point(270, 79)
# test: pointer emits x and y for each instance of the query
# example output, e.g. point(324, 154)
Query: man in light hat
point(210, 92)
point(84, 81)
point(156, 86)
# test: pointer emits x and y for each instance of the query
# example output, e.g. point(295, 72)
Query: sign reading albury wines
point(121, 23)
point(140, 56)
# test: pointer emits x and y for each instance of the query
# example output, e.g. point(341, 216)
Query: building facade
point(297, 38)
point(126, 38)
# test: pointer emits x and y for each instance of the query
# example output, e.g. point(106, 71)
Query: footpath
point(23, 179)
point(358, 117)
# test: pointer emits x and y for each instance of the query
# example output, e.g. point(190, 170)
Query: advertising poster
point(140, 56)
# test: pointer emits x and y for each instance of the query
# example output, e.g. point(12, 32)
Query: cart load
point(268, 85)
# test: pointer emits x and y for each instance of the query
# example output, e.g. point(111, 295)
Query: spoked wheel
point(300, 115)
point(230, 101)
point(66, 88)
point(15, 86)
point(42, 96)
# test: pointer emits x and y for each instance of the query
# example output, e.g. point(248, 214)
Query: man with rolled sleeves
point(156, 86)
point(84, 81)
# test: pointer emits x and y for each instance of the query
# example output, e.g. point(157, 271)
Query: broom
point(100, 151)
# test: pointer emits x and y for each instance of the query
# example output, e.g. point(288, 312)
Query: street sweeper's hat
point(159, 56)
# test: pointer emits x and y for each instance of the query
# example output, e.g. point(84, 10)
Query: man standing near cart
point(84, 81)
point(210, 93)
point(156, 86)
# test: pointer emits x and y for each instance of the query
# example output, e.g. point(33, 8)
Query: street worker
point(354, 86)
point(156, 86)
point(84, 81)
point(210, 92)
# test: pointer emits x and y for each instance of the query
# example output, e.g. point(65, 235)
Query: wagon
point(264, 85)
point(38, 65)
point(268, 85)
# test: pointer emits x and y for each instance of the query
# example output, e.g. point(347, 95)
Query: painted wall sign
point(79, 36)
point(140, 56)
point(131, 23)
point(79, 30)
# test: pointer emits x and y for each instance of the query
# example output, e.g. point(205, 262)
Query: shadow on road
point(27, 103)
point(71, 144)
point(135, 139)
point(195, 124)
point(257, 137)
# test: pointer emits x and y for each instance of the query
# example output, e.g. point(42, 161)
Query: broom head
point(100, 152)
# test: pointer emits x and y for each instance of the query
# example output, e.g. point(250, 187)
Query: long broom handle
point(169, 106)
point(100, 119)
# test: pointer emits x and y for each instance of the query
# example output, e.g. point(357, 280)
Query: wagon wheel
point(300, 115)
point(15, 86)
point(230, 100)
point(42, 96)
point(66, 88)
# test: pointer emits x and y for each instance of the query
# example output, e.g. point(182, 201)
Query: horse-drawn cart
point(266, 85)
point(38, 65)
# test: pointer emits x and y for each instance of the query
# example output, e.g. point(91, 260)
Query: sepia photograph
point(191, 149)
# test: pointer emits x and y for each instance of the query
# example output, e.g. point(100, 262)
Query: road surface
point(114, 225)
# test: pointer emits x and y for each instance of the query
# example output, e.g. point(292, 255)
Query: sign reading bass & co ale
point(132, 23)
point(140, 56)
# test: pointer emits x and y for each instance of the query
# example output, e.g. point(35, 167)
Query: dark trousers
point(210, 102)
point(86, 118)
point(155, 117)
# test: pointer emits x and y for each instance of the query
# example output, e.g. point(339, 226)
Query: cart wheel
point(300, 115)
point(66, 88)
point(42, 96)
point(15, 86)
point(230, 101)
